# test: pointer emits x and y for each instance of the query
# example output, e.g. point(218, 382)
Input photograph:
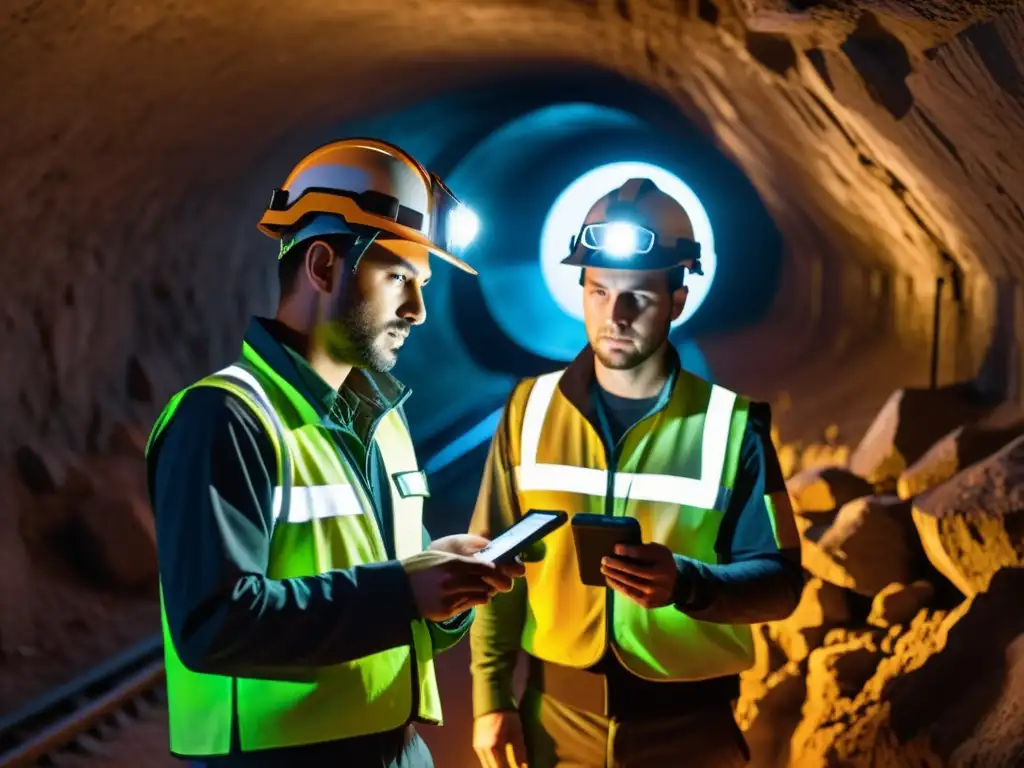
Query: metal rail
point(54, 721)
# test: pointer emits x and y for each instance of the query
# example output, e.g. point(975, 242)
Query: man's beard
point(624, 360)
point(357, 339)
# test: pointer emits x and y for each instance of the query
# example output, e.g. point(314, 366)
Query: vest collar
point(578, 381)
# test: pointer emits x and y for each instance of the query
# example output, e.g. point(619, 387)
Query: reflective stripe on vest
point(305, 504)
point(705, 491)
point(323, 520)
point(674, 474)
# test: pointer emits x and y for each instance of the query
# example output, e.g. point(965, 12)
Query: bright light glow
point(463, 227)
point(620, 239)
point(570, 209)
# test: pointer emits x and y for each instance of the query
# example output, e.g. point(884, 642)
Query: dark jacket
point(211, 475)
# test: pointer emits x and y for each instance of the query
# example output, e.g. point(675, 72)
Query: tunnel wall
point(144, 139)
point(899, 174)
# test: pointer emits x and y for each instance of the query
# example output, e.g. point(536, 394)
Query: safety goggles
point(618, 238)
point(625, 245)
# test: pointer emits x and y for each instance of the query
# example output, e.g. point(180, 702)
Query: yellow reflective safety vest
point(324, 520)
point(673, 472)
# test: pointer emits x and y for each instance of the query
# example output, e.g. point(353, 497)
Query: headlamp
point(618, 238)
point(453, 225)
point(623, 244)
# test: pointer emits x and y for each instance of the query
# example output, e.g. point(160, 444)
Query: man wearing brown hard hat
point(635, 618)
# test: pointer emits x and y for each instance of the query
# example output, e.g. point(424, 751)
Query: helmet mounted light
point(421, 210)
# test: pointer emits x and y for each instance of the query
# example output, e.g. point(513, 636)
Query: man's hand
point(445, 585)
point(648, 577)
point(498, 740)
point(467, 545)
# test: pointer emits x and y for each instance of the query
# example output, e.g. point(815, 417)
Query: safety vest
point(673, 472)
point(324, 520)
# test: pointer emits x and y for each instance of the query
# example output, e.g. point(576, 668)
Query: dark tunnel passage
point(866, 221)
point(779, 317)
point(511, 149)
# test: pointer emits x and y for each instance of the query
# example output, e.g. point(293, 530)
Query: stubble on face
point(621, 352)
point(358, 337)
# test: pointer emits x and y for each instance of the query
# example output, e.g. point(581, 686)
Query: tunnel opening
point(511, 149)
point(526, 167)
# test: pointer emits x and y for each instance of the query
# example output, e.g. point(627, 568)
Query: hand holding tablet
point(534, 526)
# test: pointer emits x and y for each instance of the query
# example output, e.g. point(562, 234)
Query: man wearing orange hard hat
point(302, 600)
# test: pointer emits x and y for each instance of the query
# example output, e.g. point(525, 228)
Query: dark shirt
point(211, 475)
point(624, 412)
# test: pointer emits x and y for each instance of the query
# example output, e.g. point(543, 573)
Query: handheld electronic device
point(596, 537)
point(534, 526)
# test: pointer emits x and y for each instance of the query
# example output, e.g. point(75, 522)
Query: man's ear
point(322, 265)
point(679, 301)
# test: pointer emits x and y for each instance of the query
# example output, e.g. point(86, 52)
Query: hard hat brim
point(657, 259)
point(274, 222)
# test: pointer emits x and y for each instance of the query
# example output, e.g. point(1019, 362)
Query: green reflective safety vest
point(674, 473)
point(323, 520)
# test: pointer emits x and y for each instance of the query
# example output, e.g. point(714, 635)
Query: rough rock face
point(99, 514)
point(907, 426)
point(959, 449)
point(973, 525)
point(922, 676)
point(822, 489)
point(869, 544)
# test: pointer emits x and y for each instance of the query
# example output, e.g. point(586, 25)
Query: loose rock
point(907, 426)
point(841, 667)
point(959, 449)
point(898, 603)
point(822, 606)
point(973, 524)
point(768, 711)
point(822, 489)
point(871, 543)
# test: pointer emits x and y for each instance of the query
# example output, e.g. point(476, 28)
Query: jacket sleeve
point(495, 634)
point(212, 474)
point(447, 634)
point(759, 576)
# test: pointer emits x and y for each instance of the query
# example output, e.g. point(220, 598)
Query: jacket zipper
point(363, 477)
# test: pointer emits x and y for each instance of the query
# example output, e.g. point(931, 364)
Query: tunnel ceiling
point(140, 140)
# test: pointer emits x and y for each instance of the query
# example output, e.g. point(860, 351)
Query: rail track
point(92, 707)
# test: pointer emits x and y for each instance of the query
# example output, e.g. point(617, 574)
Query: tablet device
point(534, 526)
point(596, 537)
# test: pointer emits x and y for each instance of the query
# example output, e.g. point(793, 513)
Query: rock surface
point(824, 489)
point(907, 427)
point(868, 545)
point(956, 451)
point(974, 524)
point(922, 675)
point(897, 603)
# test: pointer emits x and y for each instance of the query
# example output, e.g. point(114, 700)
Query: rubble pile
point(907, 647)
